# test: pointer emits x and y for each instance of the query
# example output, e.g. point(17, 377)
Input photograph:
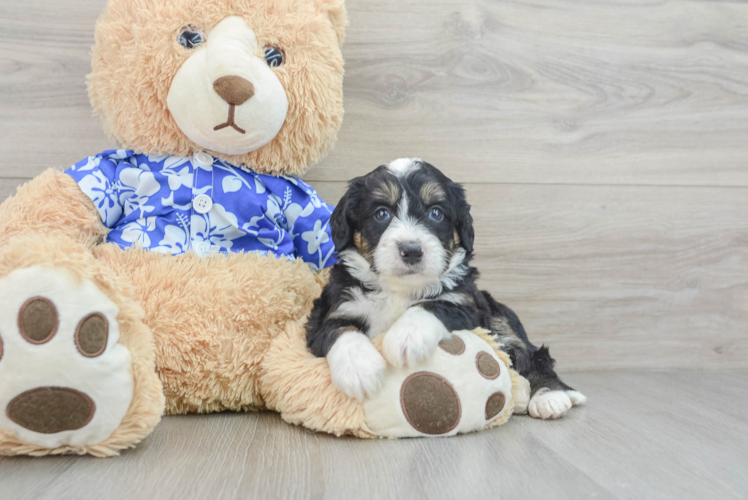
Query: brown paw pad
point(487, 366)
point(48, 410)
point(495, 404)
point(91, 335)
point(38, 320)
point(453, 345)
point(430, 403)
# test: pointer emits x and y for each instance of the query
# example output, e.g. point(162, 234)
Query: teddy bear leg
point(77, 364)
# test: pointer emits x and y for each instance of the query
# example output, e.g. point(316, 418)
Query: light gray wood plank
point(45, 118)
point(643, 435)
point(645, 432)
point(548, 91)
point(515, 92)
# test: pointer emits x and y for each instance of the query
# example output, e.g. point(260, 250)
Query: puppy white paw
point(522, 397)
point(577, 398)
point(413, 337)
point(356, 366)
point(548, 404)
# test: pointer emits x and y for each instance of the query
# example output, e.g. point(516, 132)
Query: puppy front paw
point(356, 366)
point(548, 404)
point(413, 337)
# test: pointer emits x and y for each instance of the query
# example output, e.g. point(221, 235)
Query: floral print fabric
point(147, 201)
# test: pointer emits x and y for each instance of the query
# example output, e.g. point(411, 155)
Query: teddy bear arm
point(52, 204)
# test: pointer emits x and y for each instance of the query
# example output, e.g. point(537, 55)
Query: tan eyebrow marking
point(388, 191)
point(432, 192)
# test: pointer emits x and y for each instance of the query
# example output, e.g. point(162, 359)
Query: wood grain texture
point(541, 91)
point(643, 435)
point(548, 91)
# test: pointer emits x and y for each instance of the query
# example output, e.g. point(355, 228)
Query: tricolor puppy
point(404, 236)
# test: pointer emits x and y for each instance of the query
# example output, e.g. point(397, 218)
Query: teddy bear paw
point(463, 387)
point(66, 380)
point(413, 337)
point(356, 367)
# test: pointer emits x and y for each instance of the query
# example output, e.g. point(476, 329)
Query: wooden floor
point(677, 435)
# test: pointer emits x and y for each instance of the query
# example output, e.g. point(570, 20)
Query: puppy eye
point(436, 214)
point(274, 56)
point(382, 215)
point(190, 37)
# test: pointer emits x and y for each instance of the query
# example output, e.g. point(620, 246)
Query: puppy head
point(408, 220)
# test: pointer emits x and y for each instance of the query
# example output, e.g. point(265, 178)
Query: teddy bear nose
point(233, 89)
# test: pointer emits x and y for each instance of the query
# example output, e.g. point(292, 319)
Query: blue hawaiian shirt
point(173, 205)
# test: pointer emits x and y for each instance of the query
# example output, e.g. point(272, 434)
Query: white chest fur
point(379, 309)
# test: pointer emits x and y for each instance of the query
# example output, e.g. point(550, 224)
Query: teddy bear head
point(256, 82)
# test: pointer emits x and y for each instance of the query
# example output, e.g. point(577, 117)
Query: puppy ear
point(464, 219)
point(345, 217)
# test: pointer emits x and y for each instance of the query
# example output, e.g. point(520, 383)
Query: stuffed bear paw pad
point(66, 380)
point(462, 387)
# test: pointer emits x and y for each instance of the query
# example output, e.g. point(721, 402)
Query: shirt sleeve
point(97, 178)
point(306, 218)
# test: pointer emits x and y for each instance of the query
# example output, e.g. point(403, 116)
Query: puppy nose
point(411, 253)
point(234, 89)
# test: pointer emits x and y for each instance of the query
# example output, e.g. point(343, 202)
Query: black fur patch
point(323, 331)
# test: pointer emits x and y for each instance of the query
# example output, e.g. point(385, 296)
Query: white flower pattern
point(146, 200)
point(218, 226)
point(315, 237)
point(136, 232)
point(103, 193)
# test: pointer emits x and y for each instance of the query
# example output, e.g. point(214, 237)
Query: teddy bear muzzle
point(235, 90)
point(245, 104)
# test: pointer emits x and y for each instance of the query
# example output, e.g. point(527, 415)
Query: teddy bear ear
point(335, 10)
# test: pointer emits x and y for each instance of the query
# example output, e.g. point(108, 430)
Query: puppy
point(404, 236)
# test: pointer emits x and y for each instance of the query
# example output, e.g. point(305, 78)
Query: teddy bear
point(174, 274)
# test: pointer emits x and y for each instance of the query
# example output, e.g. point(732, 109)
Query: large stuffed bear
point(175, 274)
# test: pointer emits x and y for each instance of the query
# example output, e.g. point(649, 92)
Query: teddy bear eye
point(274, 56)
point(190, 37)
